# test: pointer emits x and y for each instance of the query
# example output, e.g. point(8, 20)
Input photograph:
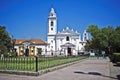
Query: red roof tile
point(34, 41)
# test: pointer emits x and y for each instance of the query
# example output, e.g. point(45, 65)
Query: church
point(67, 42)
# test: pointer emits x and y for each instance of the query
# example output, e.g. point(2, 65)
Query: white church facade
point(66, 42)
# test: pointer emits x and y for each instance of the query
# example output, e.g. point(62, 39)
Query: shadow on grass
point(97, 74)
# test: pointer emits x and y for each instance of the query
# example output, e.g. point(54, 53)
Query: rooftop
point(33, 41)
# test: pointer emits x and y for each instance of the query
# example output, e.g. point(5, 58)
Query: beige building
point(30, 47)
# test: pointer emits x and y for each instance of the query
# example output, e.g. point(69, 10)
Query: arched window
point(85, 38)
point(51, 41)
point(52, 23)
point(67, 38)
point(51, 28)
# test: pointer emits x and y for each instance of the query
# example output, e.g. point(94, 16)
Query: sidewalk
point(89, 69)
point(115, 71)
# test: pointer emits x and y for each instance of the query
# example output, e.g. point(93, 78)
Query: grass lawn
point(29, 64)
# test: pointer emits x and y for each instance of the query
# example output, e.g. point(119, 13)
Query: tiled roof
point(33, 41)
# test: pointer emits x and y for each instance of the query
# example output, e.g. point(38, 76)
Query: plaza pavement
point(89, 69)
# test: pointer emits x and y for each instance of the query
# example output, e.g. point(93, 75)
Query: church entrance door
point(69, 51)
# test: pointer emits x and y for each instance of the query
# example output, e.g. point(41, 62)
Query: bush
point(116, 57)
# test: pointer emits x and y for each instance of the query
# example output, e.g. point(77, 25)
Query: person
point(103, 54)
point(97, 55)
point(2, 56)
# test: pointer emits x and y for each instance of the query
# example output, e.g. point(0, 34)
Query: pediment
point(69, 32)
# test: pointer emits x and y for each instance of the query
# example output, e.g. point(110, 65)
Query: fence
point(34, 63)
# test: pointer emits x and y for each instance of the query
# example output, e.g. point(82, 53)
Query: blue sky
point(28, 18)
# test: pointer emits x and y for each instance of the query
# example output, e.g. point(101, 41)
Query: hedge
point(116, 57)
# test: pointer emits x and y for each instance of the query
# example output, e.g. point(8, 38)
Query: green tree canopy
point(117, 39)
point(106, 38)
point(5, 39)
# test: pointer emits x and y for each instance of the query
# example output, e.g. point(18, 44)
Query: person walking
point(103, 54)
point(97, 55)
point(2, 56)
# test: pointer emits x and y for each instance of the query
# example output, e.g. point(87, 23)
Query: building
point(66, 42)
point(30, 47)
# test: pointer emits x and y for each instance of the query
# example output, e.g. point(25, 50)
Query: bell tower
point(52, 30)
point(52, 22)
point(85, 36)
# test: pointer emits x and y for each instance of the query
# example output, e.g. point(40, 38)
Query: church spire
point(52, 10)
point(52, 22)
point(52, 13)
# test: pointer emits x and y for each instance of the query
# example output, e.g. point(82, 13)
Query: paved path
point(115, 71)
point(89, 69)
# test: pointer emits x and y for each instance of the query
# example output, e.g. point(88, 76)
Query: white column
point(66, 52)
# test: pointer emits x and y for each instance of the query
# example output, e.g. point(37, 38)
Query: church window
point(51, 41)
point(52, 23)
point(67, 38)
point(51, 46)
point(85, 38)
point(51, 28)
point(82, 43)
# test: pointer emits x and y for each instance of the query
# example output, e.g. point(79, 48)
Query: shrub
point(116, 57)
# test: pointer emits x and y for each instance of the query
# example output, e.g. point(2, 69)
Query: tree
point(3, 49)
point(117, 39)
point(5, 39)
point(93, 30)
point(106, 38)
point(94, 43)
